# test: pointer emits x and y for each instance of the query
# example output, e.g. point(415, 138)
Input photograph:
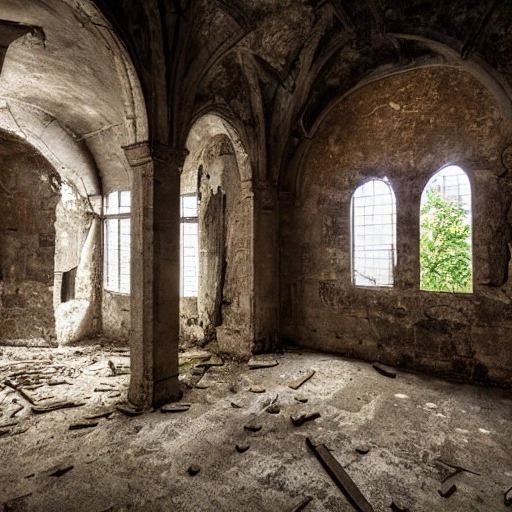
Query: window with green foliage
point(445, 232)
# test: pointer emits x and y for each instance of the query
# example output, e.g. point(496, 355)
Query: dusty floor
point(416, 429)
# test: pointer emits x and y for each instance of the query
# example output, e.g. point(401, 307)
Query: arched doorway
point(217, 173)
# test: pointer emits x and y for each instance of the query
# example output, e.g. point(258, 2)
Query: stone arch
point(81, 103)
point(442, 57)
point(218, 170)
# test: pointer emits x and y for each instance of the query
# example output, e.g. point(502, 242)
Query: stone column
point(154, 274)
point(168, 164)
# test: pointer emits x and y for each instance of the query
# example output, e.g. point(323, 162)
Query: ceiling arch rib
point(71, 159)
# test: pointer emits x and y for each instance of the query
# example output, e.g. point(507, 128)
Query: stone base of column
point(165, 391)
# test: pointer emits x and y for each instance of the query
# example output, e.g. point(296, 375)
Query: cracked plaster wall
point(405, 128)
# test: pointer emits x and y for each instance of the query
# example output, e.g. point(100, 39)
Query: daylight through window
point(445, 232)
point(117, 242)
point(373, 234)
point(189, 246)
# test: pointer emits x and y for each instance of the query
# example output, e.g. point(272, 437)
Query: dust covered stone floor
point(398, 439)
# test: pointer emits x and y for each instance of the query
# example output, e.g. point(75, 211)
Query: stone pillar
point(154, 274)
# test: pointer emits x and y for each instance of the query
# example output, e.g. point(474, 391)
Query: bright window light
point(373, 234)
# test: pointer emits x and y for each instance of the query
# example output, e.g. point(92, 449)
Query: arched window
point(445, 232)
point(117, 242)
point(373, 234)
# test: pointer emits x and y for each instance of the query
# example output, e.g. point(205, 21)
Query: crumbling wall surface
point(78, 232)
point(29, 191)
point(405, 128)
point(224, 299)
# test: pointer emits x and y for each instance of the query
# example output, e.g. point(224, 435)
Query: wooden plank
point(340, 477)
point(298, 383)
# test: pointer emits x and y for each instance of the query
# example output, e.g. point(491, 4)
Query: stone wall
point(404, 128)
point(29, 192)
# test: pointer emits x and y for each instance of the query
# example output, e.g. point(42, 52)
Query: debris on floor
point(296, 384)
point(302, 505)
point(303, 417)
point(384, 370)
point(257, 389)
point(140, 462)
point(175, 407)
point(255, 364)
point(340, 477)
point(194, 469)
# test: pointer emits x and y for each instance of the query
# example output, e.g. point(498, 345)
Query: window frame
point(188, 220)
point(471, 228)
point(393, 224)
point(118, 217)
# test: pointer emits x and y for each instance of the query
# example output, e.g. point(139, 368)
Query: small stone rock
point(102, 389)
point(193, 469)
point(274, 409)
point(300, 419)
point(301, 399)
point(253, 426)
point(235, 405)
point(363, 450)
point(129, 410)
point(262, 363)
point(384, 370)
point(175, 408)
point(257, 389)
point(79, 426)
point(241, 448)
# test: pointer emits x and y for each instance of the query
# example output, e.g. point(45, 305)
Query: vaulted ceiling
point(270, 67)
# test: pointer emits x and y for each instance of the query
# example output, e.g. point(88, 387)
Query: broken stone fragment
point(80, 426)
point(8, 423)
point(384, 370)
point(194, 469)
point(213, 361)
point(235, 405)
point(202, 385)
point(449, 492)
point(300, 398)
point(273, 409)
point(300, 419)
point(101, 414)
point(257, 389)
point(507, 498)
point(62, 471)
point(254, 364)
point(252, 426)
point(57, 382)
point(64, 404)
point(296, 384)
point(241, 448)
point(103, 389)
point(175, 408)
point(363, 449)
point(129, 410)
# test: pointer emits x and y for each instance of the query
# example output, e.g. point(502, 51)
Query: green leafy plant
point(445, 250)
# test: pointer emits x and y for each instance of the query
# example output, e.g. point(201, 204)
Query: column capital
point(168, 161)
point(138, 154)
point(169, 156)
